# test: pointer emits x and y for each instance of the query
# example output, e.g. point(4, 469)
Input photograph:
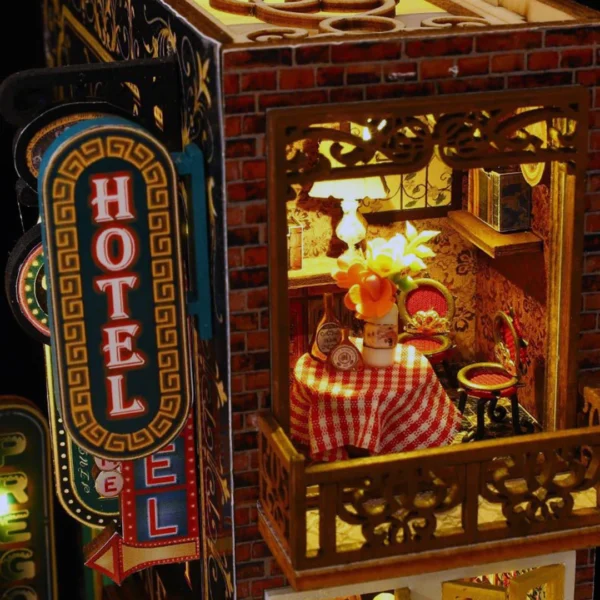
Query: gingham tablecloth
point(402, 407)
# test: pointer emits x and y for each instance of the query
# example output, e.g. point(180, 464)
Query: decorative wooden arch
point(486, 132)
point(405, 140)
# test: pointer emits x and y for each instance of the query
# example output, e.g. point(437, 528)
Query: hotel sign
point(27, 553)
point(116, 291)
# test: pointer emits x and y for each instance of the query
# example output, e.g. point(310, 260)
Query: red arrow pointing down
point(109, 555)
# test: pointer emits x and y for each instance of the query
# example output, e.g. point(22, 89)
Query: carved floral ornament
point(428, 322)
point(404, 508)
point(398, 144)
point(297, 19)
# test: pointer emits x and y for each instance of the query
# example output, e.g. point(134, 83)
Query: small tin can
point(295, 245)
point(502, 199)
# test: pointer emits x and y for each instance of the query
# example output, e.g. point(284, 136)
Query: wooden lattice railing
point(364, 509)
point(281, 484)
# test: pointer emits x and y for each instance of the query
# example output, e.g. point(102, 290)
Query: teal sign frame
point(119, 331)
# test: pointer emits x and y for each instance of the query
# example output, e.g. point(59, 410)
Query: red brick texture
point(255, 80)
point(584, 575)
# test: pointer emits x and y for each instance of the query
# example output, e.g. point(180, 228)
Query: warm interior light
point(350, 189)
point(351, 229)
point(384, 596)
point(4, 505)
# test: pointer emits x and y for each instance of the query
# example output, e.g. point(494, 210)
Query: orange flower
point(369, 295)
point(373, 281)
point(349, 272)
point(372, 297)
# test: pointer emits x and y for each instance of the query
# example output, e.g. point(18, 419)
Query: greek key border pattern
point(69, 284)
point(164, 294)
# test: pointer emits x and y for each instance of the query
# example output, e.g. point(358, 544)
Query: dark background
point(21, 359)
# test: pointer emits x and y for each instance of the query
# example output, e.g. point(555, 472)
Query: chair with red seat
point(427, 313)
point(487, 382)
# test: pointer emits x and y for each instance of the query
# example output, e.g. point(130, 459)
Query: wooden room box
point(416, 83)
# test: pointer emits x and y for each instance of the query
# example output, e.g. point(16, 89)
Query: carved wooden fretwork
point(429, 500)
point(399, 508)
point(416, 508)
point(455, 21)
point(589, 388)
point(547, 582)
point(302, 18)
point(535, 490)
point(274, 489)
point(399, 143)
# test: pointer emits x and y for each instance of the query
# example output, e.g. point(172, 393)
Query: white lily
point(417, 241)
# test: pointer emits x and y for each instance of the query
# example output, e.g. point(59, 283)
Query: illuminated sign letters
point(27, 553)
point(159, 512)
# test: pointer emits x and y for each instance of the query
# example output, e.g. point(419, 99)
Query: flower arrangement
point(373, 279)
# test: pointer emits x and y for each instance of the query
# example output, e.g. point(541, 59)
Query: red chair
point(427, 313)
point(487, 382)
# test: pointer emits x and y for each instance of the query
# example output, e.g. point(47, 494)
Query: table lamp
point(352, 228)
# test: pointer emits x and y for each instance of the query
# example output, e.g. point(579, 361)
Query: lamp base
point(351, 253)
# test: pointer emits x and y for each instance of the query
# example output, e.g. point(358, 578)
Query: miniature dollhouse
point(337, 135)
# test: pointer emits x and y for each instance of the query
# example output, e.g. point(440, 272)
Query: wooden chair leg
point(516, 417)
point(518, 427)
point(462, 400)
point(496, 413)
point(448, 373)
point(480, 433)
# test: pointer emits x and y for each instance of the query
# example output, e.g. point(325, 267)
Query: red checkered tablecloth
point(402, 407)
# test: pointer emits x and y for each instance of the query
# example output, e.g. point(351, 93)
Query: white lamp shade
point(350, 189)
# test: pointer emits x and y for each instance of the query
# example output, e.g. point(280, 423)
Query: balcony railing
point(327, 515)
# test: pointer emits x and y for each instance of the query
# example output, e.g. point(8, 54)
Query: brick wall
point(584, 576)
point(262, 78)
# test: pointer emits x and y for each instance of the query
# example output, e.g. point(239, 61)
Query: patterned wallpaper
point(520, 282)
point(319, 218)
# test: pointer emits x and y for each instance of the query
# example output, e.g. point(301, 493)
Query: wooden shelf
point(491, 242)
point(315, 271)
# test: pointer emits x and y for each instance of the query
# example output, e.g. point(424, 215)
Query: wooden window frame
point(567, 155)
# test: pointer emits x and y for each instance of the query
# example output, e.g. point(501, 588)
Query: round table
point(396, 409)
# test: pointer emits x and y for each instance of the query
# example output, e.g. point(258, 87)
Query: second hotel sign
point(112, 244)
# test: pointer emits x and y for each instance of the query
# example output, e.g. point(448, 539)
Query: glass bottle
point(345, 356)
point(328, 332)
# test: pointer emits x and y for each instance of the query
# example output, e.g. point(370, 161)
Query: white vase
point(380, 339)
